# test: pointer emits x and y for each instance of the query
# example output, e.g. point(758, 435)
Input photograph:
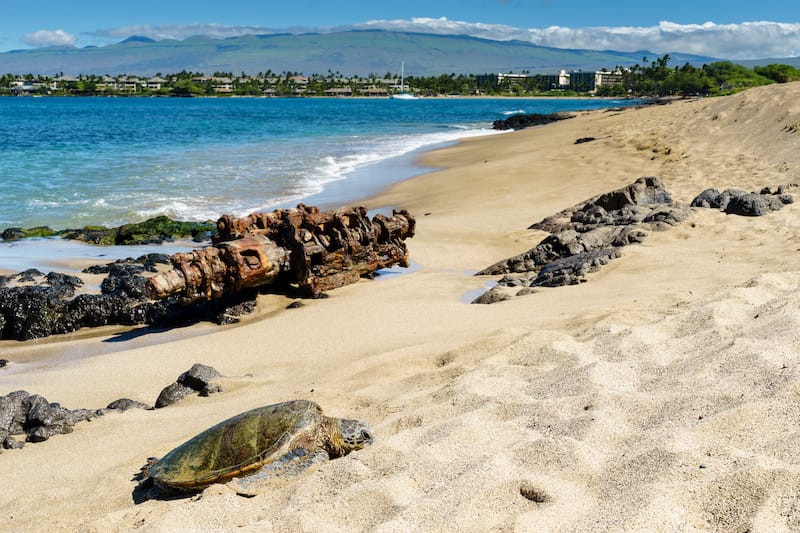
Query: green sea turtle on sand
point(276, 440)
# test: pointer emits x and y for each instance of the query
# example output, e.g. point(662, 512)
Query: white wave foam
point(354, 154)
point(180, 209)
point(336, 168)
point(272, 204)
point(515, 112)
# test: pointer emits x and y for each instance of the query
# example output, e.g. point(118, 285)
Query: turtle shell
point(237, 445)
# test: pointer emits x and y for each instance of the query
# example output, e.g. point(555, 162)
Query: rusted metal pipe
point(315, 250)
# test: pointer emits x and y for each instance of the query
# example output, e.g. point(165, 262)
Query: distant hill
point(138, 39)
point(793, 61)
point(350, 53)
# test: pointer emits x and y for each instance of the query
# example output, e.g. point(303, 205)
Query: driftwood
point(315, 250)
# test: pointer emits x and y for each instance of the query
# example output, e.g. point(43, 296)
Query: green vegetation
point(779, 73)
point(651, 80)
point(355, 52)
point(444, 84)
point(40, 231)
point(160, 228)
point(656, 78)
point(152, 230)
point(187, 88)
point(187, 83)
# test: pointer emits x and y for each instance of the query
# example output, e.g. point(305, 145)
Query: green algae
point(151, 231)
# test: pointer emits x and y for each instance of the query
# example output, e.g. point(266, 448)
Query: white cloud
point(748, 40)
point(41, 38)
point(444, 26)
point(181, 31)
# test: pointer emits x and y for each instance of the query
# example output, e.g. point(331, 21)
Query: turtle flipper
point(290, 464)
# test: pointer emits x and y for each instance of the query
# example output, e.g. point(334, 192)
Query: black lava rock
point(231, 313)
point(198, 379)
point(12, 234)
point(36, 418)
point(518, 122)
point(587, 236)
point(124, 404)
point(743, 203)
point(172, 394)
point(492, 296)
point(201, 378)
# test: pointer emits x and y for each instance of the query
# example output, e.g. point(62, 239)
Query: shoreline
point(426, 163)
point(271, 177)
point(73, 255)
point(655, 396)
point(359, 186)
point(441, 96)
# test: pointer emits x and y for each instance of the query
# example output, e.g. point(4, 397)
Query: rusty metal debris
point(315, 250)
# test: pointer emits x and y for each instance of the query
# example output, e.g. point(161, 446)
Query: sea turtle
point(275, 440)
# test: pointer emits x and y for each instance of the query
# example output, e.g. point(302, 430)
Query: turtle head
point(352, 435)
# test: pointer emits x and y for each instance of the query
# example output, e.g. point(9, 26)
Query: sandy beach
point(661, 395)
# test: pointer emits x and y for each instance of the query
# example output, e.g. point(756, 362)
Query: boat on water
point(403, 94)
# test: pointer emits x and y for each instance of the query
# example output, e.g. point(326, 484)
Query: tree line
point(722, 77)
point(655, 78)
point(650, 78)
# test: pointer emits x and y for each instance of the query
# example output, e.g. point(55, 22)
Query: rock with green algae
point(151, 231)
point(13, 234)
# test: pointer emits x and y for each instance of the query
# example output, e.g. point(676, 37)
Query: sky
point(731, 29)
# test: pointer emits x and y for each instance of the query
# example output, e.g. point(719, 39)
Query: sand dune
point(662, 395)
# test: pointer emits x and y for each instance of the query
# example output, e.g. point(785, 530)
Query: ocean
point(71, 162)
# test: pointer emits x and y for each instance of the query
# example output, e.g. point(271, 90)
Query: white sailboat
point(403, 95)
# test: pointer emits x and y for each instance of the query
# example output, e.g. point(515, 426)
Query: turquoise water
point(69, 162)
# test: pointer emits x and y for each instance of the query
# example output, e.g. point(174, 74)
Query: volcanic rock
point(36, 418)
point(12, 234)
point(587, 236)
point(124, 404)
point(198, 379)
point(743, 203)
point(172, 394)
point(572, 270)
point(493, 295)
point(201, 378)
point(518, 122)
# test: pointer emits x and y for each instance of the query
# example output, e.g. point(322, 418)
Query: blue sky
point(732, 28)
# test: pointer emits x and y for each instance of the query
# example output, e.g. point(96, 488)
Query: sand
point(661, 395)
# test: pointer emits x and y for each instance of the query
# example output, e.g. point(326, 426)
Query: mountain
point(750, 63)
point(138, 39)
point(350, 52)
